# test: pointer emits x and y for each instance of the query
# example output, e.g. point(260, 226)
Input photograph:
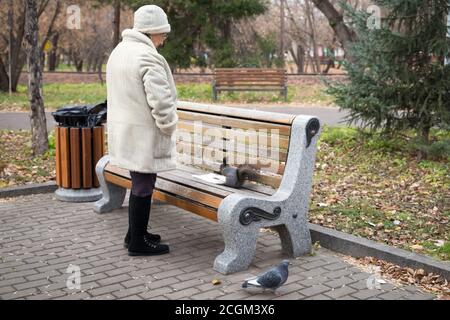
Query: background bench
point(278, 196)
point(249, 79)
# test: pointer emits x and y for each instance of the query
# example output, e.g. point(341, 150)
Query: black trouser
point(142, 184)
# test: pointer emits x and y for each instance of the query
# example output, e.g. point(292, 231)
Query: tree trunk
point(52, 57)
point(299, 58)
point(18, 58)
point(425, 139)
point(39, 137)
point(282, 32)
point(345, 35)
point(4, 78)
point(116, 22)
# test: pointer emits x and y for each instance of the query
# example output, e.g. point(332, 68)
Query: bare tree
point(336, 20)
point(116, 22)
point(16, 56)
point(39, 136)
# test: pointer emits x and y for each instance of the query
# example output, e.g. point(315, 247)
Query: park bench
point(249, 79)
point(280, 148)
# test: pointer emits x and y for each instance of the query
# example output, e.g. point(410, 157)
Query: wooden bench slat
point(234, 123)
point(183, 175)
point(187, 180)
point(209, 131)
point(200, 210)
point(188, 193)
point(251, 189)
point(256, 78)
point(246, 70)
point(234, 158)
point(247, 114)
point(248, 150)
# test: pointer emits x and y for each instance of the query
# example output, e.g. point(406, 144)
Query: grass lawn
point(363, 185)
point(374, 187)
point(57, 95)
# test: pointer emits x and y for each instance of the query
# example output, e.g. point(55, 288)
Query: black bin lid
point(85, 116)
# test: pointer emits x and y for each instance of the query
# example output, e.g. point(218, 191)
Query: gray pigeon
point(271, 279)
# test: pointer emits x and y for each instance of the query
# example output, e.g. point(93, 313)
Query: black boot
point(156, 238)
point(139, 213)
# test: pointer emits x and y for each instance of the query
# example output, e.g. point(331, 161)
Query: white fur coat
point(142, 105)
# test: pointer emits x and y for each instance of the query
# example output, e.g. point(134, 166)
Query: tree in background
point(39, 137)
point(12, 51)
point(397, 75)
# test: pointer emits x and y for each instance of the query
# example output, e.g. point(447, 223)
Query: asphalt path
point(330, 116)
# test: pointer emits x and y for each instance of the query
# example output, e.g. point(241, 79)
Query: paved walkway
point(330, 116)
point(40, 237)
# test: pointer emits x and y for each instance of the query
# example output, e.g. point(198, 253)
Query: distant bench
point(249, 79)
point(277, 197)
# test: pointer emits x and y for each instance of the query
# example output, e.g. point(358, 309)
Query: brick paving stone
point(42, 236)
point(290, 296)
point(153, 293)
point(314, 290)
point(208, 295)
point(339, 282)
point(318, 297)
point(340, 292)
point(366, 293)
point(116, 279)
point(129, 292)
point(105, 289)
point(182, 294)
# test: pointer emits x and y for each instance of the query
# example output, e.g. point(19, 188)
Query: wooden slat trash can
point(77, 152)
point(80, 144)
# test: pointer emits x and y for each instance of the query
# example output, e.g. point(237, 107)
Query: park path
point(329, 115)
point(40, 237)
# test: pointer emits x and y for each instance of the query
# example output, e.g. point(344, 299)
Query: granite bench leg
point(113, 195)
point(240, 246)
point(295, 239)
point(241, 217)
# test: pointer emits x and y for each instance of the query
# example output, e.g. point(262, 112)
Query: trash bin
point(80, 144)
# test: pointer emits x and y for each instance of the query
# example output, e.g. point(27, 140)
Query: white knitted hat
point(151, 19)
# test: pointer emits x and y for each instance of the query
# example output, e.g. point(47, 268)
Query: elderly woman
point(142, 119)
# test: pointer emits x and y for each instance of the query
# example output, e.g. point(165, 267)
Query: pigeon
point(236, 176)
point(271, 279)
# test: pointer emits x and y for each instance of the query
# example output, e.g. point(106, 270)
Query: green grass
point(55, 96)
point(62, 67)
point(58, 95)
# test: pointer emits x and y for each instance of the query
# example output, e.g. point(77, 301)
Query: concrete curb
point(27, 190)
point(360, 247)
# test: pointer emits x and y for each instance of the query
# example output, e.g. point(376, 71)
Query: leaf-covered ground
point(374, 187)
point(18, 166)
point(366, 186)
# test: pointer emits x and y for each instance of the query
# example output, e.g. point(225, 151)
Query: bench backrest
point(250, 77)
point(208, 133)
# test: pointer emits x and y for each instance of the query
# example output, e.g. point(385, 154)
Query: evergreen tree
point(398, 78)
point(207, 22)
